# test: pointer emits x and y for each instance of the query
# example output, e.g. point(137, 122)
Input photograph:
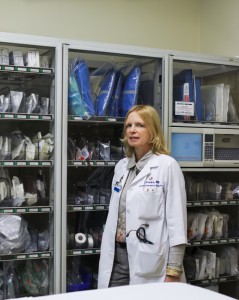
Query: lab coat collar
point(141, 163)
point(147, 169)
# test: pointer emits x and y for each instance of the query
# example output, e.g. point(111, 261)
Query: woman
point(145, 233)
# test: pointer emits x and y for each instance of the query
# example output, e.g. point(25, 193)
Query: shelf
point(94, 207)
point(204, 124)
point(214, 280)
point(21, 256)
point(28, 117)
point(21, 209)
point(105, 119)
point(26, 163)
point(77, 252)
point(19, 74)
point(97, 163)
point(213, 242)
point(212, 203)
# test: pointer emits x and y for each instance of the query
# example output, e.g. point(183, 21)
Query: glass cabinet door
point(100, 84)
point(203, 92)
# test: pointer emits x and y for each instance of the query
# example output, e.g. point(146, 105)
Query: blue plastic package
point(105, 94)
point(82, 77)
point(75, 103)
point(113, 107)
point(130, 90)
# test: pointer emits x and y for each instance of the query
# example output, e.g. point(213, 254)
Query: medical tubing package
point(81, 73)
point(105, 93)
point(113, 107)
point(75, 101)
point(130, 90)
point(102, 83)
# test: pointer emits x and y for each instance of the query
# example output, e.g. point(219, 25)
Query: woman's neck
point(139, 154)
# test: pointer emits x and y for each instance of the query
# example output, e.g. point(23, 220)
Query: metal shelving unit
point(40, 215)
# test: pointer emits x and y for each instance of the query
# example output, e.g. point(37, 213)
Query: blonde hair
point(152, 122)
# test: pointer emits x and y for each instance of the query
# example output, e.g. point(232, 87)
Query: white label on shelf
point(88, 251)
point(21, 69)
point(46, 163)
point(21, 210)
point(88, 207)
point(77, 118)
point(45, 209)
point(97, 251)
point(206, 203)
point(9, 116)
point(112, 163)
point(223, 241)
point(45, 255)
point(34, 70)
point(232, 240)
point(222, 279)
point(184, 108)
point(8, 163)
point(34, 163)
point(196, 243)
point(77, 208)
point(76, 252)
point(21, 163)
point(46, 117)
point(100, 163)
point(46, 71)
point(21, 116)
point(21, 256)
point(77, 163)
point(214, 242)
point(33, 209)
point(99, 207)
point(205, 242)
point(8, 210)
point(112, 119)
point(33, 255)
point(8, 68)
point(34, 117)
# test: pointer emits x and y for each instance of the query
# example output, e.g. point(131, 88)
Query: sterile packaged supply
point(4, 56)
point(15, 100)
point(16, 58)
point(44, 61)
point(44, 105)
point(4, 103)
point(32, 59)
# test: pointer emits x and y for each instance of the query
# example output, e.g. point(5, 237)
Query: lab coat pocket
point(151, 260)
point(151, 205)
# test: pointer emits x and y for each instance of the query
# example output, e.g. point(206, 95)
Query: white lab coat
point(157, 197)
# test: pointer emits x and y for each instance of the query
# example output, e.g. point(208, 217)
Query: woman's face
point(137, 134)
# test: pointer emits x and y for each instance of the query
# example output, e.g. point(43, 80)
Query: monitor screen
point(187, 146)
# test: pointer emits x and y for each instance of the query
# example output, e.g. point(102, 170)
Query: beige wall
point(165, 24)
point(219, 27)
point(207, 26)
